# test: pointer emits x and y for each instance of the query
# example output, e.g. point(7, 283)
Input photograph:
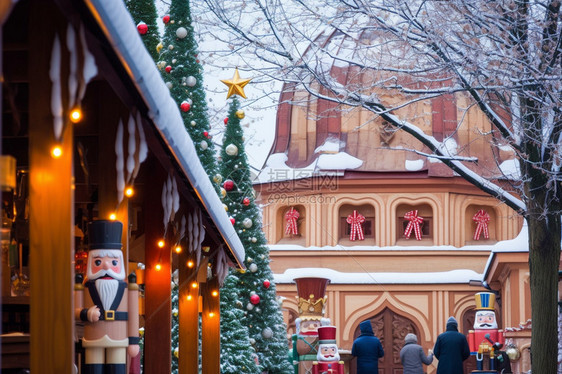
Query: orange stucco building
point(328, 161)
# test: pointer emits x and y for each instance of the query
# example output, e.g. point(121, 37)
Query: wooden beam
point(158, 306)
point(210, 327)
point(51, 218)
point(188, 362)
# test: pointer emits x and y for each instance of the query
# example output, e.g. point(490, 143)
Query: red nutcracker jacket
point(477, 340)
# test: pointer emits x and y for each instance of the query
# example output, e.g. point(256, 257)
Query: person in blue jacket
point(451, 349)
point(368, 349)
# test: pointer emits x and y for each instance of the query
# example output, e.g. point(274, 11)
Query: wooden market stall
point(61, 55)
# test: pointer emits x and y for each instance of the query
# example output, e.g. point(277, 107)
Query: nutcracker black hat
point(104, 234)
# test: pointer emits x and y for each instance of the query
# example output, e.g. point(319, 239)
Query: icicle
point(56, 99)
point(119, 162)
point(131, 148)
point(73, 65)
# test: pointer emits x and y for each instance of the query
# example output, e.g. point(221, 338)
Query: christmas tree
point(175, 327)
point(237, 354)
point(183, 75)
point(256, 291)
point(144, 14)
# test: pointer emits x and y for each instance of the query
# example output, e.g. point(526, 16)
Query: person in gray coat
point(412, 356)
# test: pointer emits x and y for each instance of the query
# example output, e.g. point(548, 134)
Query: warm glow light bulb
point(75, 115)
point(161, 244)
point(215, 293)
point(211, 314)
point(113, 216)
point(178, 249)
point(158, 267)
point(56, 152)
point(129, 191)
point(190, 264)
point(194, 285)
point(189, 297)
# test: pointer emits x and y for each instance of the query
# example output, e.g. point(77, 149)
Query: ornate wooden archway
point(390, 328)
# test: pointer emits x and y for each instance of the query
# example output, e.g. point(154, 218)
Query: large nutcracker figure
point(106, 303)
point(328, 355)
point(486, 337)
point(311, 303)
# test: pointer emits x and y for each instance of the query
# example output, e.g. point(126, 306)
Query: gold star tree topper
point(236, 85)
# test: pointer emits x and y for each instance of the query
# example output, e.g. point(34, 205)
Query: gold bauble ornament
point(240, 114)
point(176, 353)
point(159, 47)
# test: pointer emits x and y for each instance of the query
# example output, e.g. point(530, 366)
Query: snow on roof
point(510, 169)
point(414, 165)
point(277, 170)
point(336, 277)
point(121, 32)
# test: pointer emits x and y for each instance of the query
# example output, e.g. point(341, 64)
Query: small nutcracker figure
point(485, 338)
point(328, 355)
point(106, 303)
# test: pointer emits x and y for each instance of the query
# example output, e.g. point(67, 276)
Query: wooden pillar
point(188, 360)
point(210, 327)
point(158, 306)
point(51, 218)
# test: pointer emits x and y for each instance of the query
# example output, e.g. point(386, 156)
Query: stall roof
point(163, 110)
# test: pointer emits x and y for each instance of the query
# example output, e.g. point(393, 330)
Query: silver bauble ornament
point(181, 32)
point(253, 267)
point(267, 333)
point(204, 145)
point(247, 223)
point(231, 150)
point(191, 81)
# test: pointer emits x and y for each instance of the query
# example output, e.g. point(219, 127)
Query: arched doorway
point(390, 328)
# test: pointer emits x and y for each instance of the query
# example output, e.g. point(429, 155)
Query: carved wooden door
point(391, 329)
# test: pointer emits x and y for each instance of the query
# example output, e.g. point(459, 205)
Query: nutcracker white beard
point(107, 289)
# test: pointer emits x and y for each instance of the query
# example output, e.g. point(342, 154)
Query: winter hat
point(411, 338)
point(452, 321)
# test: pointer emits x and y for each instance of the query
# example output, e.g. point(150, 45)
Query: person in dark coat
point(412, 356)
point(368, 349)
point(451, 349)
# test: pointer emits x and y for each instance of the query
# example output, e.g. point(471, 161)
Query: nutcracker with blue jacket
point(486, 338)
point(106, 303)
point(328, 356)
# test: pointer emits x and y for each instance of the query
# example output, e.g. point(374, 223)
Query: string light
point(56, 152)
point(211, 314)
point(129, 191)
point(189, 297)
point(178, 248)
point(161, 243)
point(215, 293)
point(75, 115)
point(113, 216)
point(194, 285)
point(158, 267)
point(190, 264)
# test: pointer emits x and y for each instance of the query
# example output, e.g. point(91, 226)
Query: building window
point(368, 226)
point(426, 226)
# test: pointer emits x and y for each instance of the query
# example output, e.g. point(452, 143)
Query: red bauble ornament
point(232, 220)
point(226, 120)
point(185, 106)
point(266, 283)
point(166, 19)
point(168, 69)
point(142, 28)
point(228, 185)
point(255, 299)
point(206, 134)
point(246, 201)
